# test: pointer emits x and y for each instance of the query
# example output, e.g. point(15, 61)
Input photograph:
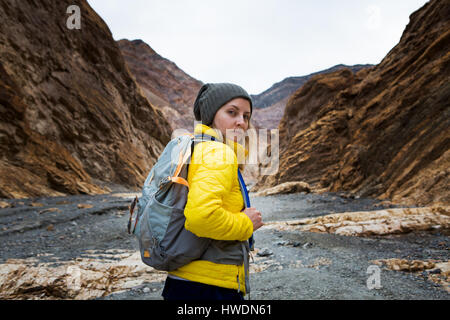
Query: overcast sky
point(256, 43)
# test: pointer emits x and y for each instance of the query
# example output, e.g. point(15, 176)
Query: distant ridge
point(270, 104)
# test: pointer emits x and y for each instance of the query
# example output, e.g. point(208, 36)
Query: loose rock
point(264, 252)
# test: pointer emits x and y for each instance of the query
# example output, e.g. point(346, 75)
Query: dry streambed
point(381, 223)
point(114, 266)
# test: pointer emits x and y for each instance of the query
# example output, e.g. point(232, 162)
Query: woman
point(215, 206)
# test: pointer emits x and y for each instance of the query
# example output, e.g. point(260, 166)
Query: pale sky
point(256, 43)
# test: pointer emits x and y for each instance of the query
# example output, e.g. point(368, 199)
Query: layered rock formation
point(165, 85)
point(369, 223)
point(72, 116)
point(436, 271)
point(382, 132)
point(284, 188)
point(94, 275)
point(270, 104)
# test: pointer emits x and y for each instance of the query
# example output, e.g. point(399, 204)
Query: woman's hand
point(255, 217)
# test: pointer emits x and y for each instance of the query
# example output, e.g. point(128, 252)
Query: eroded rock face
point(165, 85)
point(287, 187)
point(71, 112)
point(382, 132)
point(378, 222)
point(88, 277)
point(435, 270)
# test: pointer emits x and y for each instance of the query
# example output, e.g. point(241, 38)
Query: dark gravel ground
point(300, 265)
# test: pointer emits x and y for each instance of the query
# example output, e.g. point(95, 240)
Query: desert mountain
point(72, 117)
point(382, 132)
point(165, 85)
point(270, 104)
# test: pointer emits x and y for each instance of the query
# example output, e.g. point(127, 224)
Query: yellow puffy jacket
point(214, 208)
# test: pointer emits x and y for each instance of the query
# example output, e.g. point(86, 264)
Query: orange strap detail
point(180, 164)
point(180, 181)
point(181, 161)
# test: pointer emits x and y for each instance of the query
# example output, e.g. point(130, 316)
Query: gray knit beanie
point(212, 96)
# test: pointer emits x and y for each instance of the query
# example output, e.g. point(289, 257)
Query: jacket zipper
point(239, 283)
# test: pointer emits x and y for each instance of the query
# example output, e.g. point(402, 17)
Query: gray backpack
point(164, 243)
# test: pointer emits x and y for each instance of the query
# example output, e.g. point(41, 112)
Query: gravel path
point(288, 265)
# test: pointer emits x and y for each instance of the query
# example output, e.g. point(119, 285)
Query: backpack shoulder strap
point(244, 192)
point(200, 138)
point(204, 137)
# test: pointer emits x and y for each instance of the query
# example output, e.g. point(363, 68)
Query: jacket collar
point(235, 146)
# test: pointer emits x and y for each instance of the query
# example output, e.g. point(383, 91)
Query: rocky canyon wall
point(164, 84)
point(382, 132)
point(72, 117)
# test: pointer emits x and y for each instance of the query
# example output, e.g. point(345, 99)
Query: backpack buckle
point(163, 181)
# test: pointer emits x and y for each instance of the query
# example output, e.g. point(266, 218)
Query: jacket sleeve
point(205, 215)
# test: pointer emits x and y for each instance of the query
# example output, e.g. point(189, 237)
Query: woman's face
point(234, 117)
